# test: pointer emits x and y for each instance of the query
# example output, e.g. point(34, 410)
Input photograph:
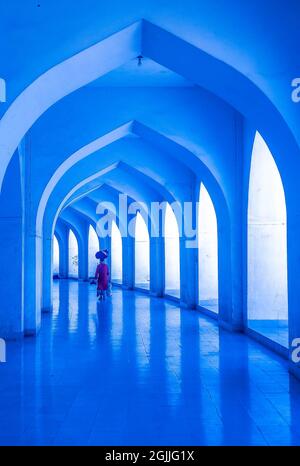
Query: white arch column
point(47, 278)
point(62, 233)
point(188, 260)
point(230, 243)
point(157, 253)
point(83, 253)
point(32, 282)
point(33, 260)
point(188, 274)
point(128, 262)
point(11, 252)
point(63, 252)
point(107, 245)
point(293, 235)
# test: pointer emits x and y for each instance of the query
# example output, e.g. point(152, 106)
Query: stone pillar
point(293, 234)
point(47, 304)
point(157, 266)
point(188, 275)
point(63, 254)
point(11, 253)
point(32, 283)
point(230, 275)
point(231, 244)
point(128, 262)
point(83, 254)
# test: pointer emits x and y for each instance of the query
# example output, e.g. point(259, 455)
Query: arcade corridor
point(151, 148)
point(140, 370)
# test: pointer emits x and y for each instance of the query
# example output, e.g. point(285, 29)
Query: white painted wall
point(267, 249)
point(2, 90)
point(73, 255)
point(142, 252)
point(55, 256)
point(208, 251)
point(116, 254)
point(93, 248)
point(172, 253)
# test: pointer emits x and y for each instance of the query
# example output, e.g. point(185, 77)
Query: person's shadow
point(104, 313)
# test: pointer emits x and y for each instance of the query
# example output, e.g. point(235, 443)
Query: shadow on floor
point(141, 371)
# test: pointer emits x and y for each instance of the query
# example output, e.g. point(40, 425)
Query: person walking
point(102, 275)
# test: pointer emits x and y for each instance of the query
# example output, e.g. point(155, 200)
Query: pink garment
point(102, 274)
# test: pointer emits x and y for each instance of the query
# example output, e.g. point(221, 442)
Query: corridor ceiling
point(74, 58)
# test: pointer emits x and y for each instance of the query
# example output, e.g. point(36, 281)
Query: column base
point(156, 294)
point(127, 287)
point(183, 303)
point(31, 332)
point(230, 326)
point(47, 310)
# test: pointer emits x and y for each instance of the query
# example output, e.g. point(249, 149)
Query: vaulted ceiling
point(76, 86)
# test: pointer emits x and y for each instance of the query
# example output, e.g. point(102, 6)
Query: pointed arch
point(208, 282)
point(267, 297)
point(73, 255)
point(81, 69)
point(141, 253)
point(56, 257)
point(93, 247)
point(116, 254)
point(172, 253)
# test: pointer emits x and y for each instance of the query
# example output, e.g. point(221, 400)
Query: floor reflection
point(136, 370)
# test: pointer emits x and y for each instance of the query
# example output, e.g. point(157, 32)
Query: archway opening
point(142, 254)
point(116, 254)
point(55, 258)
point(93, 248)
point(172, 253)
point(208, 287)
point(73, 255)
point(267, 247)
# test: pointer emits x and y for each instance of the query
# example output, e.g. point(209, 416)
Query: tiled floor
point(138, 370)
point(174, 293)
point(143, 285)
point(275, 330)
point(212, 305)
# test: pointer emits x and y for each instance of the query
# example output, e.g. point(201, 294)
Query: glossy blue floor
point(275, 330)
point(137, 370)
